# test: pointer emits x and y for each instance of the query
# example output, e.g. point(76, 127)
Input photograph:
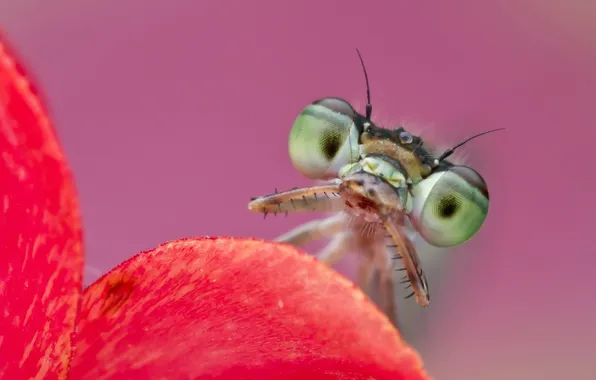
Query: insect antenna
point(368, 105)
point(450, 151)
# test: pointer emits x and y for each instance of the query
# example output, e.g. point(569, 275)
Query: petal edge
point(40, 234)
point(195, 308)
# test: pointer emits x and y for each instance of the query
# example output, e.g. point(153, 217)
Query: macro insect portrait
point(384, 186)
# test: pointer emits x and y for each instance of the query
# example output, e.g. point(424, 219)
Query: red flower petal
point(40, 235)
point(242, 309)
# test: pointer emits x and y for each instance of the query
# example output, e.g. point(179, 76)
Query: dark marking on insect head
point(448, 207)
point(331, 142)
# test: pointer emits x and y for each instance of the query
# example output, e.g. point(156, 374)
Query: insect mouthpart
point(369, 196)
point(375, 187)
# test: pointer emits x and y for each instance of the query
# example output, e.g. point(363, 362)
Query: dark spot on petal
point(118, 291)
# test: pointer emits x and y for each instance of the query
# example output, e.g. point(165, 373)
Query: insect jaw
point(389, 179)
point(365, 195)
point(371, 196)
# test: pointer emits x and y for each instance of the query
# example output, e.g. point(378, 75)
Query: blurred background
point(173, 113)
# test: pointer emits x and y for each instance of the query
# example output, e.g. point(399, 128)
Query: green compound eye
point(449, 207)
point(324, 138)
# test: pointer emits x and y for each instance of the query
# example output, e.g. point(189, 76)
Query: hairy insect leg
point(323, 197)
point(365, 274)
point(411, 261)
point(335, 249)
point(381, 257)
point(314, 230)
point(380, 287)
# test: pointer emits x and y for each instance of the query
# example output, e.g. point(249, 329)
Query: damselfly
point(385, 186)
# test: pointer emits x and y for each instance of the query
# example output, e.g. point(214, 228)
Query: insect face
point(380, 177)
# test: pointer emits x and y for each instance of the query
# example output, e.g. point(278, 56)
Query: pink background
point(175, 112)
